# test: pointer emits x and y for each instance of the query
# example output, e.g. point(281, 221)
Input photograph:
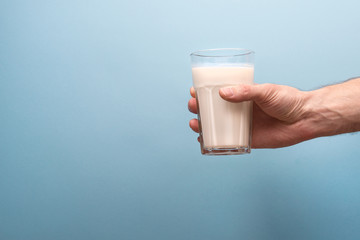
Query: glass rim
point(242, 52)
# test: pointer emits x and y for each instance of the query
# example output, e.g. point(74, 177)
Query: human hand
point(279, 113)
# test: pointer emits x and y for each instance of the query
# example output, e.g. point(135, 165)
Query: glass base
point(225, 151)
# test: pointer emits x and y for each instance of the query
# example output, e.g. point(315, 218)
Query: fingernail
point(227, 92)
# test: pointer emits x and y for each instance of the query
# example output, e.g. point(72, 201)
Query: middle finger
point(192, 106)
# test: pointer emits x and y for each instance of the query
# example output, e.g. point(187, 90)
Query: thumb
point(241, 93)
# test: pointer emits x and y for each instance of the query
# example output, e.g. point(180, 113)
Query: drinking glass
point(225, 127)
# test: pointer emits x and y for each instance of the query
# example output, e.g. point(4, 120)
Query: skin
point(284, 116)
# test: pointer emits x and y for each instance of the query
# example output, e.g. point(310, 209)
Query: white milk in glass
point(223, 124)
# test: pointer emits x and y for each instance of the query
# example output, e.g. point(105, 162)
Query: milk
point(224, 126)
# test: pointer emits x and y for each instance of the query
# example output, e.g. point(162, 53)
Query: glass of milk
point(225, 127)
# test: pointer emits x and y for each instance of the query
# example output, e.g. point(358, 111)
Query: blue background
point(94, 136)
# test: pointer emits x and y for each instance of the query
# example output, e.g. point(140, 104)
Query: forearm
point(333, 109)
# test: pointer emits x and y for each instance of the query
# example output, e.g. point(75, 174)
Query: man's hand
point(277, 116)
point(283, 116)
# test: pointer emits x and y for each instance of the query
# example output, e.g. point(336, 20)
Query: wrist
point(332, 110)
point(318, 118)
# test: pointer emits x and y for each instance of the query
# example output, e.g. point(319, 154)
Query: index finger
point(192, 92)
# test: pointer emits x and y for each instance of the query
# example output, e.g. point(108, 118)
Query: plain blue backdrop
point(94, 136)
